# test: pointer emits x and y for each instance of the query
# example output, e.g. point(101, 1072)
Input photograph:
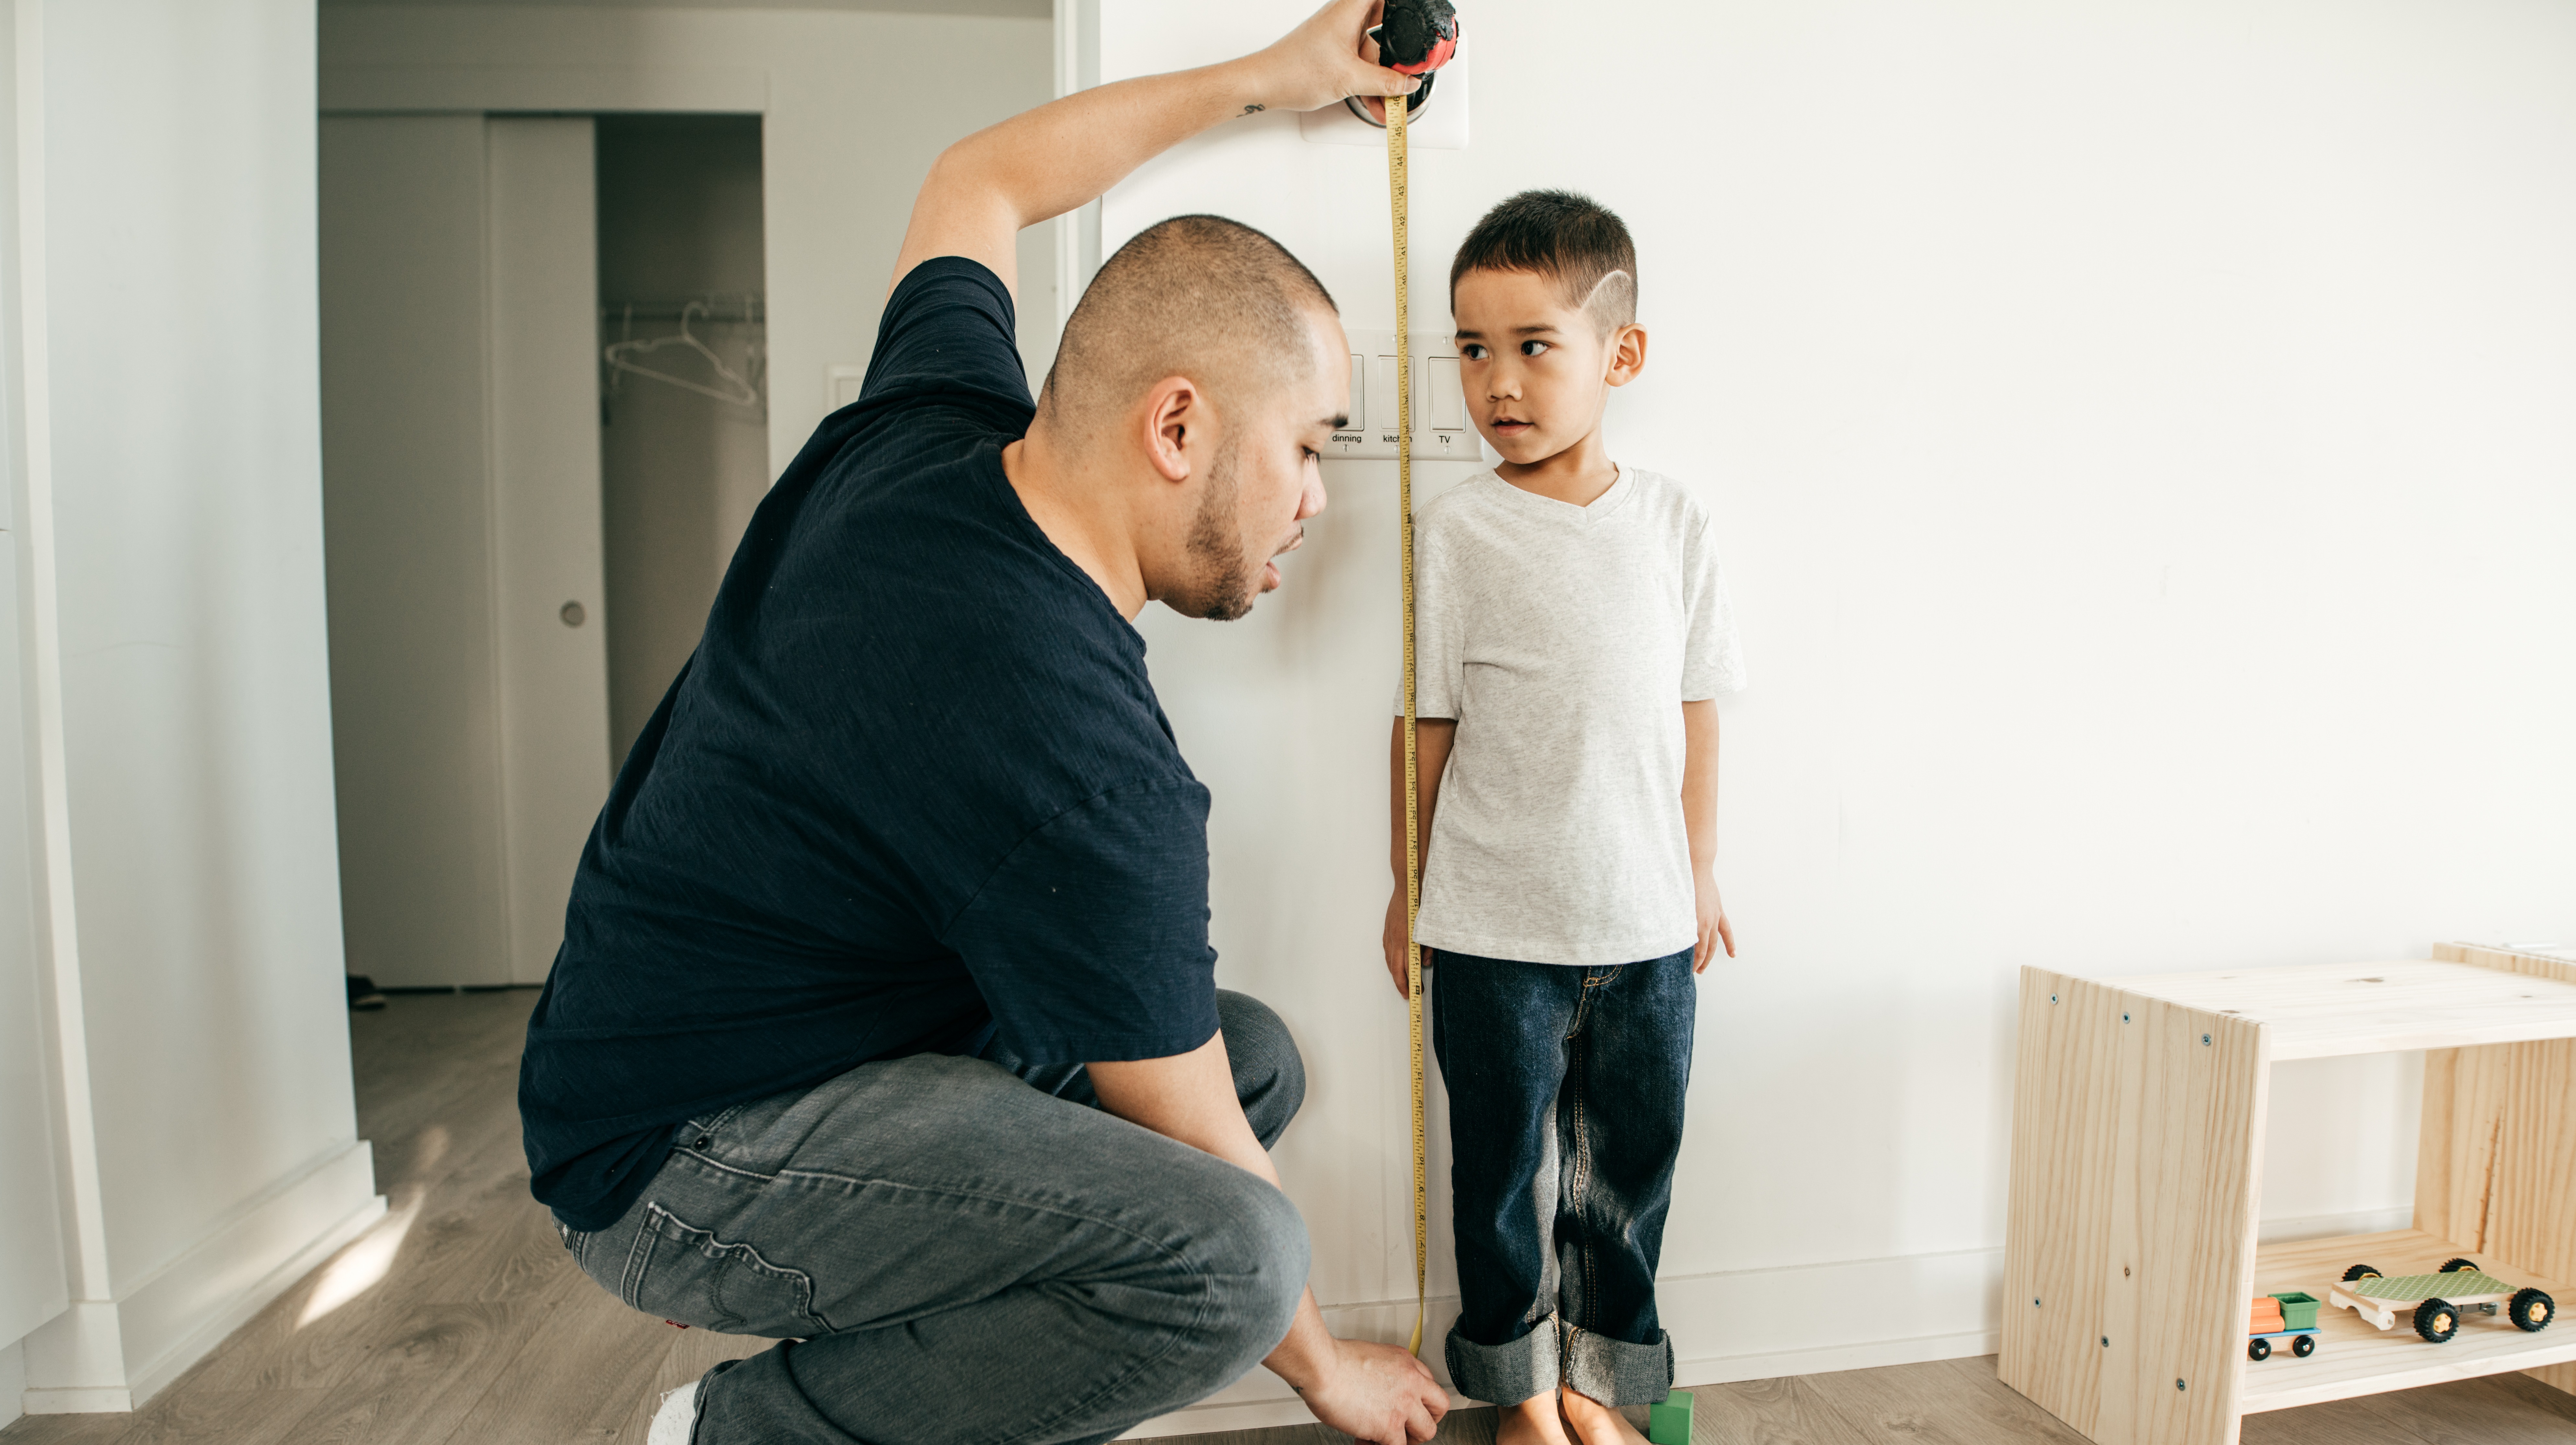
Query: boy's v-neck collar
point(1598, 510)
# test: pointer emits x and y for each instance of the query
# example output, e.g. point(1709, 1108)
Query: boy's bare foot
point(1594, 1423)
point(1533, 1421)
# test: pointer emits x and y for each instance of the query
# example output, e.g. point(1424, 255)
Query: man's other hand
point(1377, 1393)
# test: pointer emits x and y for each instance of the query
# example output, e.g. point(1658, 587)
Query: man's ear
point(1173, 409)
point(1627, 354)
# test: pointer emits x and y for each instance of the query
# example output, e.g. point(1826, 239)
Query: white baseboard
point(1750, 1324)
point(1204, 1418)
point(76, 1400)
point(2327, 1226)
point(1739, 1325)
point(110, 1355)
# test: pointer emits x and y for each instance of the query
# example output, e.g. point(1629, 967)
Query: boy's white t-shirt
point(1564, 640)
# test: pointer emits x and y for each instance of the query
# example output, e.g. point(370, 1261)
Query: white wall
point(34, 1286)
point(175, 659)
point(855, 106)
point(2139, 433)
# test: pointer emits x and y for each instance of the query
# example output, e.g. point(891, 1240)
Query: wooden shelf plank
point(2353, 1358)
point(2321, 1011)
point(2137, 1135)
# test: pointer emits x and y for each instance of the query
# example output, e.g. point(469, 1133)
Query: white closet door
point(408, 524)
point(544, 256)
point(460, 409)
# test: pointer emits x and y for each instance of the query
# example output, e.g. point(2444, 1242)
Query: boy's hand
point(1714, 931)
point(1394, 940)
point(1318, 63)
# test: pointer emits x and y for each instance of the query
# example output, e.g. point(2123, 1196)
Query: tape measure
point(1397, 201)
point(1416, 37)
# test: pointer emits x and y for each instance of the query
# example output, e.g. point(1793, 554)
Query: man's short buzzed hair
point(1574, 240)
point(1197, 296)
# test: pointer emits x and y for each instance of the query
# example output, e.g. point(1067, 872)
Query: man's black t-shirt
point(912, 788)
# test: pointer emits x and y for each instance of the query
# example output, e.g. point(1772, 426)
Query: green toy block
point(2298, 1311)
point(1670, 1422)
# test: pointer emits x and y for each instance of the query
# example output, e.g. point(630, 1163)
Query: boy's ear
point(1627, 354)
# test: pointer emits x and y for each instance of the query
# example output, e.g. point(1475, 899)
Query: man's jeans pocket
point(689, 1276)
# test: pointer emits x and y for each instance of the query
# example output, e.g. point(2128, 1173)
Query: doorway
point(544, 397)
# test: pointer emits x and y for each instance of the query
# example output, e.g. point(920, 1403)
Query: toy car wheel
point(2304, 1346)
point(2458, 1265)
point(2359, 1271)
point(2258, 1349)
point(2437, 1320)
point(2530, 1310)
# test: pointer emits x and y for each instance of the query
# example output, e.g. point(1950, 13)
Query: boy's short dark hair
point(1577, 241)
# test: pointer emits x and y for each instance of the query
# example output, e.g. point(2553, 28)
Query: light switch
point(1381, 397)
point(1440, 415)
point(1448, 403)
point(845, 380)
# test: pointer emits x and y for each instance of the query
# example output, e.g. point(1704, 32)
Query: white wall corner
point(1077, 232)
point(107, 1355)
point(75, 1363)
point(13, 1382)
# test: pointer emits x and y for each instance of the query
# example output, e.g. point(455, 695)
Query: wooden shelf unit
point(2138, 1118)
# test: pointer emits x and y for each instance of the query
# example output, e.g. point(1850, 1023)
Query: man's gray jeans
point(960, 1250)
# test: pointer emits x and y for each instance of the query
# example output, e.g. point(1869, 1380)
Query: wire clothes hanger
point(736, 389)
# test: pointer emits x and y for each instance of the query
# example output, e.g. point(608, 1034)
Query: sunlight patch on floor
point(363, 1265)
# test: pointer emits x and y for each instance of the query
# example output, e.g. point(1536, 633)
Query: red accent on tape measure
point(1441, 50)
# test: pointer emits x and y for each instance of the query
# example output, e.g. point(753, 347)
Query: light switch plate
point(1435, 400)
point(843, 380)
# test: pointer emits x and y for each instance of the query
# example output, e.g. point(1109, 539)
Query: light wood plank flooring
point(478, 1331)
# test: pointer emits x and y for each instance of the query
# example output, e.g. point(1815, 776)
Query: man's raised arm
point(1044, 162)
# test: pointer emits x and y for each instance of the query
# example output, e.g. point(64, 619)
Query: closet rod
point(720, 310)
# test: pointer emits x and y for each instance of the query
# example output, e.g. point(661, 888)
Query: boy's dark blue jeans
point(1565, 1114)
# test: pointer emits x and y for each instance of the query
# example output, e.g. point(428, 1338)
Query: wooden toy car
point(2289, 1316)
point(2439, 1298)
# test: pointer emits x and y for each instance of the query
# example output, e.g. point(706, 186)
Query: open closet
point(544, 410)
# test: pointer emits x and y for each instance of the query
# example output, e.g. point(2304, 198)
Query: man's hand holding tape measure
point(1316, 64)
point(1045, 162)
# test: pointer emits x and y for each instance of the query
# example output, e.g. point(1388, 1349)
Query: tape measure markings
point(1396, 107)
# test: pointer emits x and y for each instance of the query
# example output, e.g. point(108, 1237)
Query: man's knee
point(1269, 1073)
point(1254, 1247)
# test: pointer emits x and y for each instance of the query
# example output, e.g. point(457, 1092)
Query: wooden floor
point(460, 1319)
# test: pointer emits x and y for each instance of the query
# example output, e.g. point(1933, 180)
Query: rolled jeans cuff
point(1616, 1372)
point(1506, 1374)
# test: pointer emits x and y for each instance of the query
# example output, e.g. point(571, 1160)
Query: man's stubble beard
point(1224, 581)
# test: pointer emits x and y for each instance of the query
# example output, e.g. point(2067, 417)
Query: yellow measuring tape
point(1396, 106)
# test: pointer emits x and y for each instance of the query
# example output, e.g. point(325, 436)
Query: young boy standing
point(1572, 629)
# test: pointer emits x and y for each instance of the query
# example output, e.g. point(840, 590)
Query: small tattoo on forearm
point(1254, 109)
